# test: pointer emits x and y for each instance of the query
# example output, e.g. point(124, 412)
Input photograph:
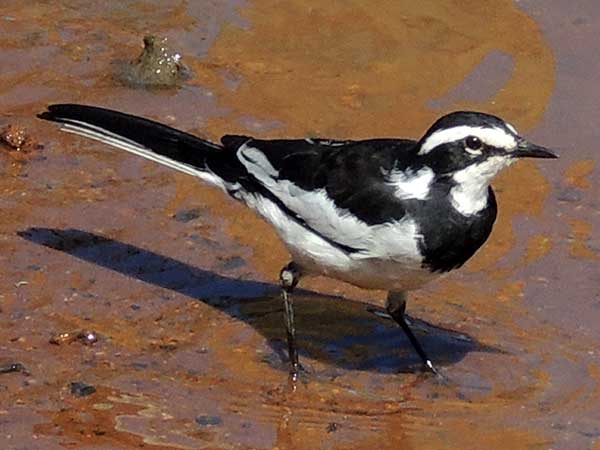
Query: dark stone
point(140, 365)
point(187, 215)
point(12, 367)
point(168, 347)
point(208, 421)
point(81, 389)
point(333, 427)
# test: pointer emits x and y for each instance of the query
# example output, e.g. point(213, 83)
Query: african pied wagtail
point(387, 214)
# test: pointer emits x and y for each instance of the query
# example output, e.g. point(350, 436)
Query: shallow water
point(179, 283)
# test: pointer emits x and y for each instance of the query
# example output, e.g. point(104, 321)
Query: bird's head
point(469, 148)
point(465, 139)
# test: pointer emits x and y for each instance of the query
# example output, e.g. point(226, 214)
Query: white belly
point(367, 273)
point(390, 260)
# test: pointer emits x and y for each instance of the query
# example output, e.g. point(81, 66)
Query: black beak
point(528, 150)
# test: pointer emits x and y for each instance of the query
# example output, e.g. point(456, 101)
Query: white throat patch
point(470, 194)
point(495, 137)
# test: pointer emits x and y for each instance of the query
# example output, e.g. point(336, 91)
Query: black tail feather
point(125, 130)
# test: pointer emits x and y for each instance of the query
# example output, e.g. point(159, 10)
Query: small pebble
point(13, 367)
point(103, 406)
point(86, 337)
point(332, 427)
point(208, 421)
point(139, 365)
point(187, 215)
point(62, 338)
point(80, 389)
point(17, 138)
point(13, 137)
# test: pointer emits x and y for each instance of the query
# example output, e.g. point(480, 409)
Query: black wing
point(352, 174)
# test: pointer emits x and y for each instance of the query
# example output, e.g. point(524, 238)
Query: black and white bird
point(389, 214)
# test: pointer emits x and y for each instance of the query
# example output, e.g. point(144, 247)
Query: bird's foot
point(297, 371)
point(429, 369)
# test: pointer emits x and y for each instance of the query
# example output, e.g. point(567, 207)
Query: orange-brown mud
point(178, 283)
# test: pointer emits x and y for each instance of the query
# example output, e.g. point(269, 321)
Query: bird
point(384, 213)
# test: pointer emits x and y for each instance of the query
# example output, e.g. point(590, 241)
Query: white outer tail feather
point(102, 135)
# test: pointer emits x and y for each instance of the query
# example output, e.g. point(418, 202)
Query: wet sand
point(179, 283)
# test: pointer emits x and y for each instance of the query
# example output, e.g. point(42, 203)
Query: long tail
point(142, 137)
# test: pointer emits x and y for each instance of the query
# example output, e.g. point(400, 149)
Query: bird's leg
point(289, 277)
point(396, 306)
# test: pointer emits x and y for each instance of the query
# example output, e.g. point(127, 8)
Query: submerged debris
point(86, 337)
point(157, 66)
point(81, 389)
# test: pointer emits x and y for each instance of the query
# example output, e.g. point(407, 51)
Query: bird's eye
point(473, 143)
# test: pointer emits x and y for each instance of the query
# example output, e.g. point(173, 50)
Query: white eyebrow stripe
point(496, 137)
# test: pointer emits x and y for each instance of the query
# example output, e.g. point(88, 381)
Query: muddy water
point(178, 282)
